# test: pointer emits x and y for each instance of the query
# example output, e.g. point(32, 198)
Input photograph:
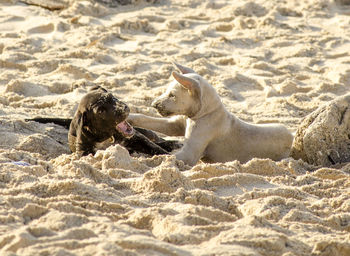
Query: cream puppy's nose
point(155, 104)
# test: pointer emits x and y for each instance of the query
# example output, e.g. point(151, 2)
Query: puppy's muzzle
point(156, 104)
point(123, 126)
point(126, 110)
point(160, 108)
point(122, 111)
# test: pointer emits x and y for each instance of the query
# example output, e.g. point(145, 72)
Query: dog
point(101, 116)
point(192, 108)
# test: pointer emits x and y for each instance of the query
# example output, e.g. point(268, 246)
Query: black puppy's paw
point(170, 145)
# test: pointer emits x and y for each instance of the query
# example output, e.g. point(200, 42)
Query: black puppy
point(101, 116)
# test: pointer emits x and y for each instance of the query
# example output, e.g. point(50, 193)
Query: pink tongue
point(125, 127)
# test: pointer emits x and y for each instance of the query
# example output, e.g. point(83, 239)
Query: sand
point(270, 61)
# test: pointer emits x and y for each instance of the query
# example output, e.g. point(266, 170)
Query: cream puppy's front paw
point(186, 158)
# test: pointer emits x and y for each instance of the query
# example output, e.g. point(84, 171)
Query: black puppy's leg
point(149, 134)
point(168, 145)
point(65, 122)
point(140, 144)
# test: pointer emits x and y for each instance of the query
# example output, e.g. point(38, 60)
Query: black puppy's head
point(102, 113)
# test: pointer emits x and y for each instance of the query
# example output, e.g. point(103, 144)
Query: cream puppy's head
point(182, 97)
point(189, 94)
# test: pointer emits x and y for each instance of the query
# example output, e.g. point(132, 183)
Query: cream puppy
point(193, 108)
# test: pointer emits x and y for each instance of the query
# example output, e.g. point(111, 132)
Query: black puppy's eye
point(101, 110)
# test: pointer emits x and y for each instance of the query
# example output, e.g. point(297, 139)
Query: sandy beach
point(270, 61)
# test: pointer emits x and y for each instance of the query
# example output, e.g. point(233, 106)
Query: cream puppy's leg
point(173, 126)
point(194, 146)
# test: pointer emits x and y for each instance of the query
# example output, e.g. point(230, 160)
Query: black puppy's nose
point(126, 109)
point(122, 108)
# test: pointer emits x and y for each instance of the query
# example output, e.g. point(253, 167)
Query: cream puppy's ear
point(183, 69)
point(188, 83)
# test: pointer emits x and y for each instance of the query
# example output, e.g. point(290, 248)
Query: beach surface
point(269, 60)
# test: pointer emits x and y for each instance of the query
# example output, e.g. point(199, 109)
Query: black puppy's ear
point(80, 125)
point(97, 87)
point(79, 135)
point(83, 145)
point(84, 120)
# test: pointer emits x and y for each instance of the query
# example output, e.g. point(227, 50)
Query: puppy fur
point(193, 109)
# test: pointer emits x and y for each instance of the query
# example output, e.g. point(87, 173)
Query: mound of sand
point(323, 137)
